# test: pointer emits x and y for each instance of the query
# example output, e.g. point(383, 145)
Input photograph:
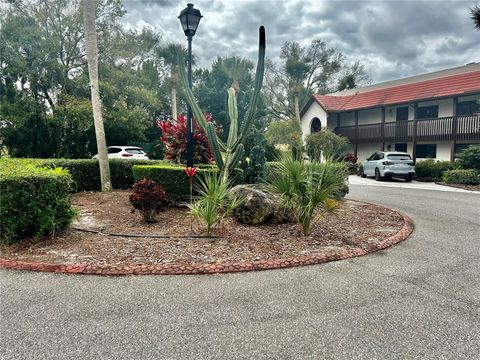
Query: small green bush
point(470, 158)
point(174, 181)
point(34, 200)
point(466, 177)
point(328, 144)
point(431, 170)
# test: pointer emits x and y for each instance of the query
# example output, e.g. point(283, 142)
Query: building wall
point(370, 116)
point(445, 106)
point(347, 118)
point(365, 150)
point(391, 113)
point(315, 110)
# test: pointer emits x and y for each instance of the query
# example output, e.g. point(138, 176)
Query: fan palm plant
point(306, 187)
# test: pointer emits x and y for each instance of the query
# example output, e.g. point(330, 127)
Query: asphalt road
point(419, 299)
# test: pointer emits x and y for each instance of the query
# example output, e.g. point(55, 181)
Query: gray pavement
point(417, 300)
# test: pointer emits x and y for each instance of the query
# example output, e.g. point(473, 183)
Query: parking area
point(399, 183)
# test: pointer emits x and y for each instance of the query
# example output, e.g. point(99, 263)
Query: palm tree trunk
point(297, 107)
point(174, 92)
point(92, 60)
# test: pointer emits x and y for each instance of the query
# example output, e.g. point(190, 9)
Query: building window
point(427, 112)
point(402, 113)
point(401, 147)
point(426, 151)
point(316, 125)
point(468, 107)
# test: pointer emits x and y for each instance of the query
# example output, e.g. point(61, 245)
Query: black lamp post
point(190, 18)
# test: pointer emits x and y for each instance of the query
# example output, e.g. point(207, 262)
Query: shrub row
point(174, 181)
point(86, 173)
point(431, 170)
point(466, 177)
point(34, 200)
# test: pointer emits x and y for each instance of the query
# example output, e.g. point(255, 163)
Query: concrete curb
point(178, 269)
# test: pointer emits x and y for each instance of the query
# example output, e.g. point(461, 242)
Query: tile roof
point(460, 84)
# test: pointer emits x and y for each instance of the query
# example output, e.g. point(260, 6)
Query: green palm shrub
point(306, 187)
point(213, 204)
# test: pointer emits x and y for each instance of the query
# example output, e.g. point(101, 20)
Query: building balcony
point(456, 128)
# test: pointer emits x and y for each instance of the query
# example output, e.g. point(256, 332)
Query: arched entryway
point(316, 125)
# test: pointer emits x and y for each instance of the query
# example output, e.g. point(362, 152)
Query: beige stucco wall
point(347, 118)
point(391, 113)
point(370, 116)
point(445, 106)
point(313, 111)
point(365, 150)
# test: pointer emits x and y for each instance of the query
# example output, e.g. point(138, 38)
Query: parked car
point(385, 165)
point(125, 152)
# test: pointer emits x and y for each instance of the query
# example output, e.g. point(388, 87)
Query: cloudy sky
point(394, 39)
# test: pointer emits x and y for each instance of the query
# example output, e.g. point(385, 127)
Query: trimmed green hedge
point(467, 177)
point(34, 200)
point(431, 170)
point(173, 180)
point(86, 173)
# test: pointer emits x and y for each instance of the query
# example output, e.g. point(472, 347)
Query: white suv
point(125, 152)
point(385, 165)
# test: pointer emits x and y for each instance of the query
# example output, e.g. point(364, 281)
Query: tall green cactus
point(227, 155)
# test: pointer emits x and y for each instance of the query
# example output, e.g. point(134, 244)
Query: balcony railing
point(462, 127)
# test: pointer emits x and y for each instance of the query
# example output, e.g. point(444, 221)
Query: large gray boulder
point(258, 206)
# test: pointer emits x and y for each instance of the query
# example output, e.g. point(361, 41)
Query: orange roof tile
point(466, 83)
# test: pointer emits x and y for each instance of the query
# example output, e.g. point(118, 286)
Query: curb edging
point(177, 269)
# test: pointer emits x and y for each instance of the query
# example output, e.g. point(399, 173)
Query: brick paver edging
point(176, 269)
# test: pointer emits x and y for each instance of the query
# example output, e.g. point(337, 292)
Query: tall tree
point(91, 50)
point(169, 57)
point(42, 52)
point(305, 70)
point(297, 65)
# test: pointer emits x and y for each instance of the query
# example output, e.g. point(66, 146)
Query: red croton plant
point(175, 140)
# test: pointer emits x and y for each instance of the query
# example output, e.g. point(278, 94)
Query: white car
point(385, 165)
point(125, 152)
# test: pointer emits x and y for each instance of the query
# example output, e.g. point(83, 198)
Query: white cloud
point(393, 38)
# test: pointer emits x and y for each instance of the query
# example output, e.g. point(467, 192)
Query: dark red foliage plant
point(175, 139)
point(350, 158)
point(149, 198)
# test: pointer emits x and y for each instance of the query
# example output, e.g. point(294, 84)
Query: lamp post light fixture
point(189, 18)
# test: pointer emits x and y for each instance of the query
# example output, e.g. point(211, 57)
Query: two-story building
point(433, 115)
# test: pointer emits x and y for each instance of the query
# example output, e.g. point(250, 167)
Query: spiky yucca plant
point(213, 204)
point(227, 155)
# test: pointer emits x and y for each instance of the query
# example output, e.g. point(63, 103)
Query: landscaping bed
point(462, 186)
point(176, 238)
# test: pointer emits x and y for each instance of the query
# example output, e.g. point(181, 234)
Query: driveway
point(419, 299)
point(399, 183)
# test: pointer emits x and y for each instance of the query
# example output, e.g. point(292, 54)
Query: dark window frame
point(315, 125)
point(401, 146)
point(427, 112)
point(426, 151)
point(468, 107)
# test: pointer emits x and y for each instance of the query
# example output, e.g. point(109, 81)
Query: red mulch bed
point(353, 225)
